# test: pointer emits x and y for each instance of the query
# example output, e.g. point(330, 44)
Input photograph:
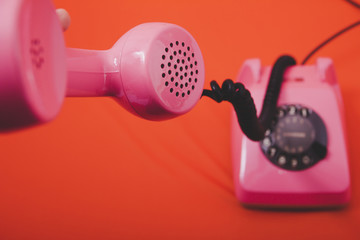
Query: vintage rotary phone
point(155, 70)
point(302, 160)
point(294, 155)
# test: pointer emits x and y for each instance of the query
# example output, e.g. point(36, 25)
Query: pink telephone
point(303, 160)
point(294, 154)
point(155, 70)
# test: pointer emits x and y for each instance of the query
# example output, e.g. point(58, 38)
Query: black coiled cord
point(243, 104)
point(235, 93)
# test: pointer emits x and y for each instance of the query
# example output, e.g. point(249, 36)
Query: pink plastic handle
point(138, 71)
point(155, 71)
point(88, 73)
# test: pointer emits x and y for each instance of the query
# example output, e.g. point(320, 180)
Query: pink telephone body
point(302, 161)
point(155, 70)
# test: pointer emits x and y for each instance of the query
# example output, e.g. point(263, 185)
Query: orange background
point(98, 172)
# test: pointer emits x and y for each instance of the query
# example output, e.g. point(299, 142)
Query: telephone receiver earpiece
point(155, 70)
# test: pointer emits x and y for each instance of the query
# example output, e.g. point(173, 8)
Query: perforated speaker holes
point(179, 69)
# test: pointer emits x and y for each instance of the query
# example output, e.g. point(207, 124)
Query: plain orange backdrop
point(98, 172)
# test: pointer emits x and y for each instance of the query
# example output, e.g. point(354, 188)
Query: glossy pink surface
point(155, 70)
point(258, 182)
point(32, 63)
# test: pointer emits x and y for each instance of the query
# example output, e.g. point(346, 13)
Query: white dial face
point(296, 140)
point(294, 134)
